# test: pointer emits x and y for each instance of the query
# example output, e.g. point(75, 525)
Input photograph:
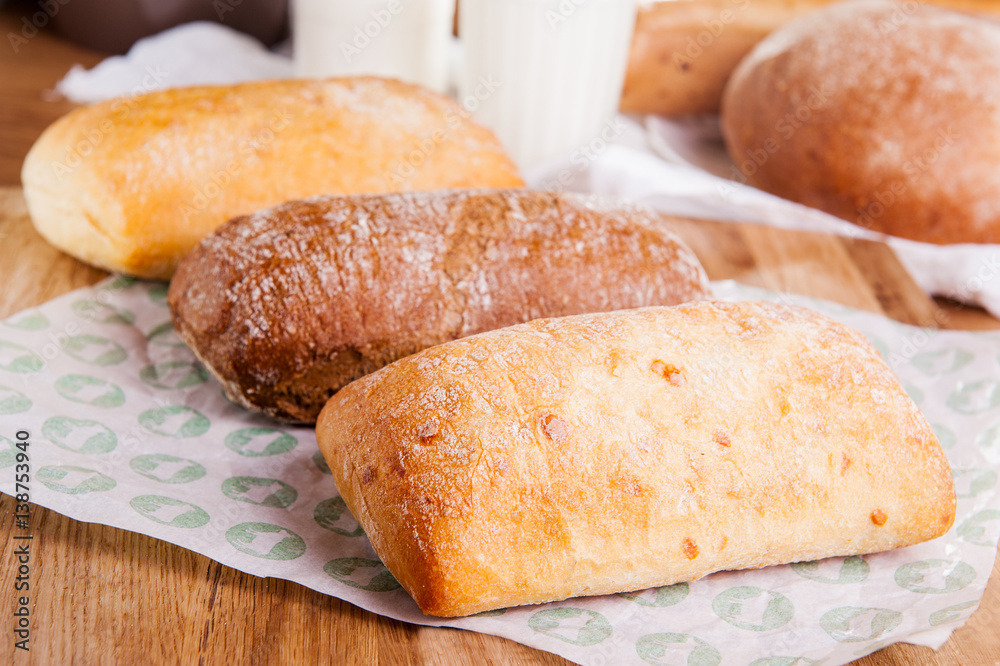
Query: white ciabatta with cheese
point(610, 452)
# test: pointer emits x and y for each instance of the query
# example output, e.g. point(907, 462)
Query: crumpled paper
point(128, 430)
point(192, 54)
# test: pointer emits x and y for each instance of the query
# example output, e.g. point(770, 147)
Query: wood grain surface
point(104, 595)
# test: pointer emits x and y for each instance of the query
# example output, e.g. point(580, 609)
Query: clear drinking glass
point(403, 39)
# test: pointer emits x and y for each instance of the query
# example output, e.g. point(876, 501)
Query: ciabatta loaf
point(132, 184)
point(288, 305)
point(611, 452)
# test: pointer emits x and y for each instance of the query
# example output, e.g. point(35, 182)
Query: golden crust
point(288, 305)
point(132, 184)
point(683, 51)
point(603, 453)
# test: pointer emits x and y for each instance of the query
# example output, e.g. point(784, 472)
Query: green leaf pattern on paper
point(852, 570)
point(671, 648)
point(8, 452)
point(28, 320)
point(173, 375)
point(981, 528)
point(753, 609)
point(951, 613)
point(96, 311)
point(167, 468)
point(73, 480)
point(80, 435)
point(332, 514)
point(169, 511)
point(850, 624)
point(87, 390)
point(13, 401)
point(361, 573)
point(178, 422)
point(576, 626)
point(975, 397)
point(659, 597)
point(934, 576)
point(260, 491)
point(266, 541)
point(943, 361)
point(946, 436)
point(256, 442)
point(15, 358)
point(94, 350)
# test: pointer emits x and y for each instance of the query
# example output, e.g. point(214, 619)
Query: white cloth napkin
point(200, 53)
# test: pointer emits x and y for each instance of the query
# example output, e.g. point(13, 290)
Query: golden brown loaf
point(684, 51)
point(612, 452)
point(132, 184)
point(883, 113)
point(288, 305)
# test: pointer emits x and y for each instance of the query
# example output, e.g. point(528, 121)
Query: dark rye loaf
point(290, 304)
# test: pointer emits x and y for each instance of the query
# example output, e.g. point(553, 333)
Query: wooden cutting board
point(104, 595)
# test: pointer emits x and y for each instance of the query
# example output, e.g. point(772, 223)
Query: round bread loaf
point(886, 114)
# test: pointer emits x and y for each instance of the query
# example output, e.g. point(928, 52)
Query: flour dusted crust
point(610, 452)
point(684, 51)
point(886, 114)
point(132, 184)
point(289, 304)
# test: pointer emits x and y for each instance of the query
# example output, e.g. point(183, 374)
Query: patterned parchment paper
point(128, 430)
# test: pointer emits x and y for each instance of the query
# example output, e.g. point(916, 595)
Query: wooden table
point(103, 595)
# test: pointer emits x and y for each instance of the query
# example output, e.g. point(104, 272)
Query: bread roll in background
point(886, 114)
point(132, 184)
point(685, 50)
point(290, 304)
point(613, 452)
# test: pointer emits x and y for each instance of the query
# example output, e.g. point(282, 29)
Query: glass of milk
point(545, 75)
point(403, 39)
